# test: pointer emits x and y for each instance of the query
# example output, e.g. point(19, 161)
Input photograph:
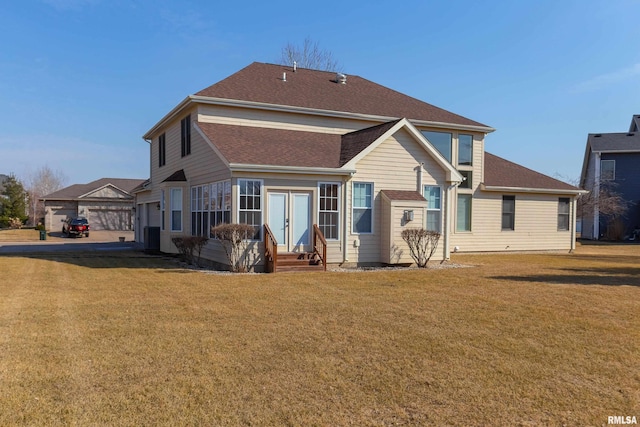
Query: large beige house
point(316, 154)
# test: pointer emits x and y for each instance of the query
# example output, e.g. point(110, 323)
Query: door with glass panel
point(290, 220)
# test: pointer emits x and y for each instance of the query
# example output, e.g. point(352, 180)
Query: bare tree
point(38, 184)
point(422, 244)
point(234, 239)
point(309, 55)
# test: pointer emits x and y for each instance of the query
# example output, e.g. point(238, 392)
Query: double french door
point(290, 220)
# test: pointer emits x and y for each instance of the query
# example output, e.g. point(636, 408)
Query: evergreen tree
point(13, 203)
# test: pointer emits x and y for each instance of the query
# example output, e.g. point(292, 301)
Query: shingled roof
point(319, 90)
point(77, 190)
point(499, 172)
point(622, 142)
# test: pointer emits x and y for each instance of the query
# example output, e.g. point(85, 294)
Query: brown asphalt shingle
point(313, 89)
point(402, 195)
point(499, 172)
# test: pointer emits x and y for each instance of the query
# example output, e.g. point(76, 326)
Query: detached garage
point(107, 203)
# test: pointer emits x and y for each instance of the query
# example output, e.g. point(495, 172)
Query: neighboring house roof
point(404, 196)
point(501, 174)
point(319, 90)
point(635, 123)
point(607, 142)
point(80, 191)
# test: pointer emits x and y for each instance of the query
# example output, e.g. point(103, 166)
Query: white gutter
point(239, 167)
point(448, 229)
point(531, 190)
point(303, 110)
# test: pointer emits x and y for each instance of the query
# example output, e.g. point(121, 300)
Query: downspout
point(447, 223)
point(596, 207)
point(574, 203)
point(345, 243)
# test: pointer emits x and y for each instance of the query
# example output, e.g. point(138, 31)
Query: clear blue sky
point(82, 80)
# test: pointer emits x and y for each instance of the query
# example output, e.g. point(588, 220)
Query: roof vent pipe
point(341, 78)
point(284, 77)
point(295, 66)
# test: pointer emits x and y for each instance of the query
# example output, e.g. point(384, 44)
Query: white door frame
point(287, 222)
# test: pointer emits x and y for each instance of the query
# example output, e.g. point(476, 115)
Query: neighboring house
point(612, 164)
point(292, 148)
point(107, 203)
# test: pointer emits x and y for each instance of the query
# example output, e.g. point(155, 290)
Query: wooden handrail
point(270, 250)
point(320, 245)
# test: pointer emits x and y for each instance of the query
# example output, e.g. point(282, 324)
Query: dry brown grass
point(125, 339)
point(19, 235)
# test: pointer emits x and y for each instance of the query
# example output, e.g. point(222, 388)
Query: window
point(185, 135)
point(441, 141)
point(210, 206)
point(176, 209)
point(607, 170)
point(162, 208)
point(466, 182)
point(432, 194)
point(563, 213)
point(328, 211)
point(463, 219)
point(508, 212)
point(250, 204)
point(362, 207)
point(465, 150)
point(162, 150)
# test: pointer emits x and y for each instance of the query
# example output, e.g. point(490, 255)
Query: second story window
point(441, 141)
point(607, 170)
point(185, 135)
point(162, 150)
point(465, 150)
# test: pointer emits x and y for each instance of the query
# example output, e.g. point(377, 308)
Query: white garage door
point(110, 219)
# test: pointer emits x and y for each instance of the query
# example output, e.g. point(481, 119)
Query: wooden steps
point(298, 261)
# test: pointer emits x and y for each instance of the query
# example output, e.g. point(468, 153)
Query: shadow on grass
point(107, 259)
point(605, 276)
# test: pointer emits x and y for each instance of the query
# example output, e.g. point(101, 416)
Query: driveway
point(56, 242)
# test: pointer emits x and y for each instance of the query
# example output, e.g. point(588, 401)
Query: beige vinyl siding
point(536, 225)
point(393, 165)
point(278, 120)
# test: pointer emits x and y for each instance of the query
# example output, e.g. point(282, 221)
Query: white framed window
point(185, 135)
point(442, 142)
point(607, 170)
point(329, 209)
point(465, 150)
point(176, 209)
point(362, 207)
point(210, 206)
point(433, 194)
point(463, 212)
point(564, 211)
point(250, 204)
point(508, 213)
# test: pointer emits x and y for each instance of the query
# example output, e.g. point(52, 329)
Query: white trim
point(373, 203)
point(452, 174)
point(262, 202)
point(198, 99)
point(239, 167)
point(339, 184)
point(499, 189)
point(126, 193)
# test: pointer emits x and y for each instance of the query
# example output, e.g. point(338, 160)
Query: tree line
point(20, 202)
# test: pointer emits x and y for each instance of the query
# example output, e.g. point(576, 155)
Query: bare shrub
point(15, 223)
point(189, 246)
point(234, 239)
point(422, 244)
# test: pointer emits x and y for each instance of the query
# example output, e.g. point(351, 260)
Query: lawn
point(19, 235)
point(126, 339)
